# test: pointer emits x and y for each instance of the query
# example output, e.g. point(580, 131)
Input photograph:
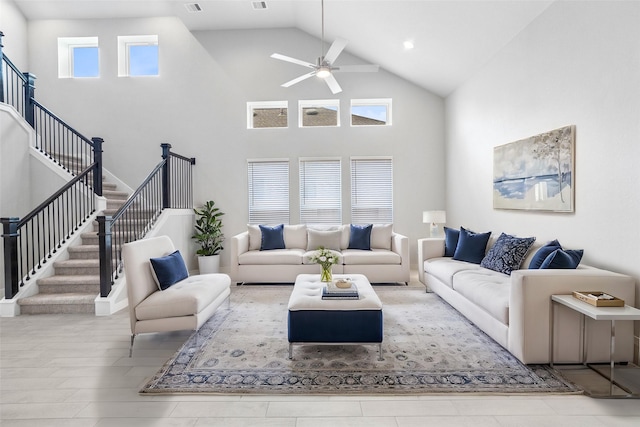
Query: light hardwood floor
point(74, 370)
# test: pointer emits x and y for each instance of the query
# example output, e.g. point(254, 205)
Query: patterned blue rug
point(428, 348)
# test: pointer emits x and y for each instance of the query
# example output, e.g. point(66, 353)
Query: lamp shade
point(434, 217)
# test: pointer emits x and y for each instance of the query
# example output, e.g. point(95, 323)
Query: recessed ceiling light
point(259, 5)
point(408, 44)
point(193, 7)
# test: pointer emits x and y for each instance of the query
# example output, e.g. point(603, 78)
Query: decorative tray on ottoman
point(598, 298)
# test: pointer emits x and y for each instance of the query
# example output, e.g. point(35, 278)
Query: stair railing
point(169, 185)
point(56, 139)
point(30, 242)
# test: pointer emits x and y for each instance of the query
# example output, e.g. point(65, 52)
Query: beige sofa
point(515, 309)
point(386, 262)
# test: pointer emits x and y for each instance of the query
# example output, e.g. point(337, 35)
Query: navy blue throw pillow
point(542, 253)
point(360, 237)
point(168, 270)
point(564, 259)
point(272, 237)
point(507, 253)
point(471, 246)
point(451, 236)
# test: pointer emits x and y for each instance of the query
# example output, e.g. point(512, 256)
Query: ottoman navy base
point(312, 320)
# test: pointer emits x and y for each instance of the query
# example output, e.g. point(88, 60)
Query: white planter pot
point(209, 264)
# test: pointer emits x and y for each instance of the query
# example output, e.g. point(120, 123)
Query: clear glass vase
point(326, 275)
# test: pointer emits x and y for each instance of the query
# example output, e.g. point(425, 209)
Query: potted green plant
point(208, 234)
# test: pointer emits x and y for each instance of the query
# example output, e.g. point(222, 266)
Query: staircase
point(76, 282)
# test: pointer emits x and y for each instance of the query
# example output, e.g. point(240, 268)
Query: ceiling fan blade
point(298, 79)
point(333, 84)
point(336, 48)
point(364, 68)
point(293, 60)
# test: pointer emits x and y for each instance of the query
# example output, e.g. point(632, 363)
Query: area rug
point(428, 348)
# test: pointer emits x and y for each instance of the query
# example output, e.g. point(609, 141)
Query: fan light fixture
point(324, 67)
point(323, 72)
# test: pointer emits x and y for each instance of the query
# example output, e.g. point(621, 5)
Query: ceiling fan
point(324, 68)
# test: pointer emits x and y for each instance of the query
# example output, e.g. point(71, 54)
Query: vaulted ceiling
point(452, 38)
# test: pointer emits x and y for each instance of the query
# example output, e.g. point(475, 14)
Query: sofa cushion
point(295, 236)
point(360, 237)
point(372, 257)
point(562, 259)
point(381, 236)
point(255, 237)
point(272, 237)
point(275, 257)
point(487, 289)
point(507, 253)
point(328, 239)
point(445, 268)
point(542, 253)
point(168, 270)
point(451, 236)
point(471, 246)
point(185, 298)
point(306, 257)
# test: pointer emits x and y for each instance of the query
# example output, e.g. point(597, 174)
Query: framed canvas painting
point(536, 173)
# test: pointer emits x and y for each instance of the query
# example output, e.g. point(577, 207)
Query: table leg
point(585, 343)
point(290, 351)
point(380, 352)
point(551, 331)
point(612, 350)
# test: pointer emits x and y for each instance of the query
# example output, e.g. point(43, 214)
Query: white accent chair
point(186, 305)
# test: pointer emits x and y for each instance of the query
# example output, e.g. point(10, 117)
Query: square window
point(138, 56)
point(143, 60)
point(78, 57)
point(85, 62)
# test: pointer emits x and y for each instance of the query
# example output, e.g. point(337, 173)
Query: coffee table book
point(341, 294)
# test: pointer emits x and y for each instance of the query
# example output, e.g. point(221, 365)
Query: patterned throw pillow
point(507, 253)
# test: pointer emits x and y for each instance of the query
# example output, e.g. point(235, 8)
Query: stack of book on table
point(332, 291)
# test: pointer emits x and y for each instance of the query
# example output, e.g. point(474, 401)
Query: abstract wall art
point(536, 173)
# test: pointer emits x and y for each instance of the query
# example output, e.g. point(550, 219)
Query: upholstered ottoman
point(313, 320)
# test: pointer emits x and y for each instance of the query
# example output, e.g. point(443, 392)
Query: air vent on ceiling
point(193, 7)
point(259, 5)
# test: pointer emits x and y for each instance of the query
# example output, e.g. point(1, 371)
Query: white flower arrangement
point(325, 257)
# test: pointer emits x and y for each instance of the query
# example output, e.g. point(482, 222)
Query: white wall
point(14, 26)
point(578, 63)
point(198, 104)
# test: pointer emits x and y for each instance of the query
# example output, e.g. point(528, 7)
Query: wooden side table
point(596, 313)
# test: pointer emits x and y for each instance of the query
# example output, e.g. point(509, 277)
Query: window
point(78, 57)
point(268, 191)
point(320, 191)
point(371, 190)
point(138, 56)
point(319, 113)
point(270, 114)
point(371, 112)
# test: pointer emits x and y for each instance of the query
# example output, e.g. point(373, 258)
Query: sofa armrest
point(430, 247)
point(530, 304)
point(400, 245)
point(239, 245)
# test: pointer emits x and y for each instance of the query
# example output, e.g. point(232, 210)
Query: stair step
point(113, 194)
point(91, 238)
point(108, 185)
point(69, 303)
point(84, 252)
point(60, 284)
point(77, 267)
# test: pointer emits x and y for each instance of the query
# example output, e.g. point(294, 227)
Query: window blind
point(268, 191)
point(320, 191)
point(371, 190)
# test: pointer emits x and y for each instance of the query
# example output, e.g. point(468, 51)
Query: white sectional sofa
point(515, 309)
point(387, 261)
